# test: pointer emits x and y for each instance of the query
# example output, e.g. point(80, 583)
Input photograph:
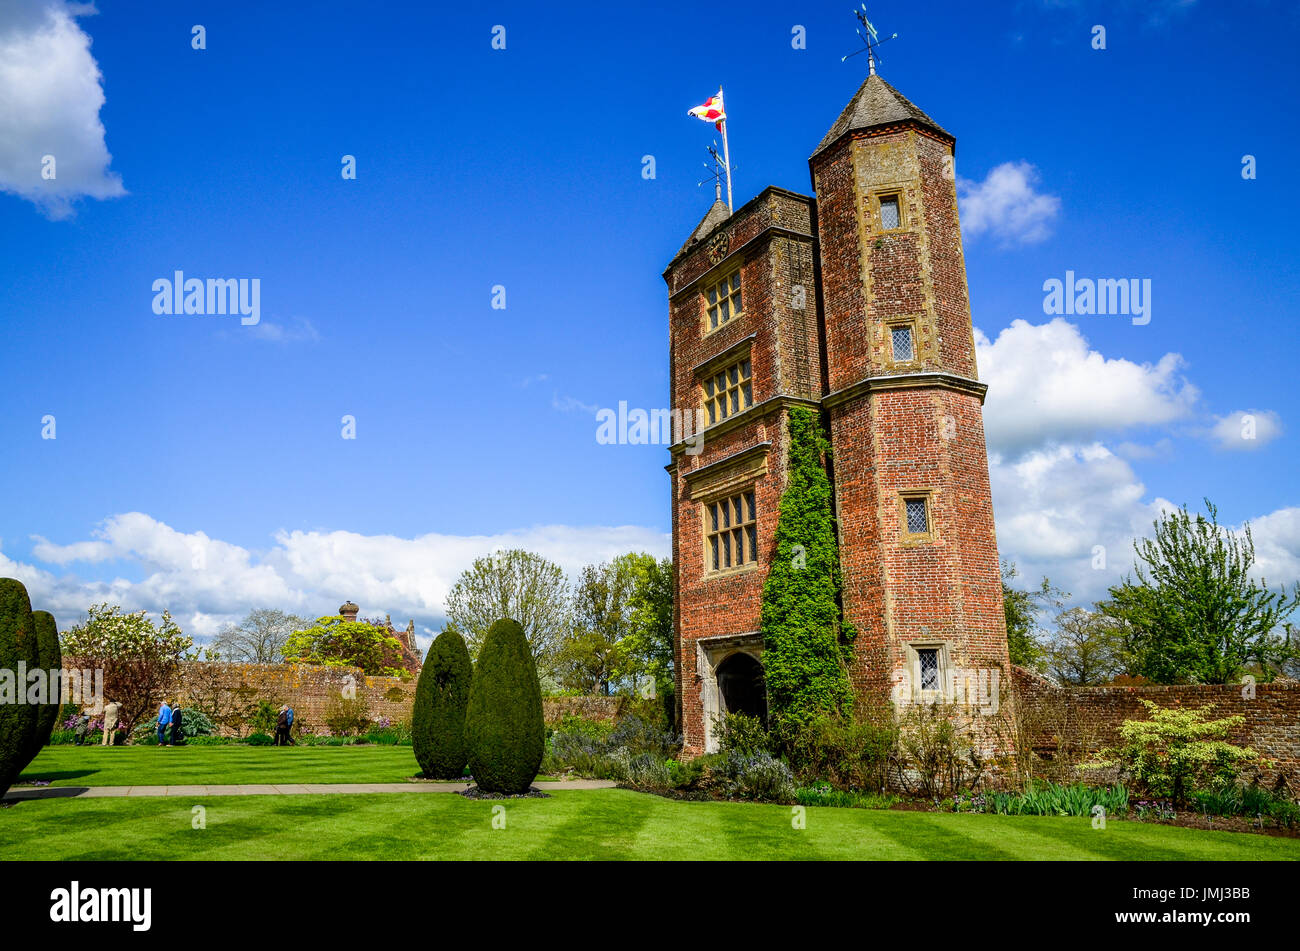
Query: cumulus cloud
point(1047, 385)
point(1245, 430)
point(51, 91)
point(1007, 205)
point(207, 582)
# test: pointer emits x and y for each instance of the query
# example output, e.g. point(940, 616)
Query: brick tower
point(854, 304)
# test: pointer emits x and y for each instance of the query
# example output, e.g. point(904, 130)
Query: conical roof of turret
point(876, 103)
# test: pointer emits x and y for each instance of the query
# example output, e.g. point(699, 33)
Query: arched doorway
point(740, 682)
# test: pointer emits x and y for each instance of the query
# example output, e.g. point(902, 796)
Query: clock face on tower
point(718, 246)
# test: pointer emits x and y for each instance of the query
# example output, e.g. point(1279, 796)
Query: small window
point(723, 300)
point(918, 518)
point(731, 526)
point(729, 391)
point(901, 338)
point(929, 661)
point(889, 219)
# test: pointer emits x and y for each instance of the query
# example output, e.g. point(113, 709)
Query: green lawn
point(220, 765)
point(596, 824)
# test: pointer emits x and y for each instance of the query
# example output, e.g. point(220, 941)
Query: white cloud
point(206, 582)
point(51, 94)
point(1245, 430)
point(571, 404)
point(1047, 385)
point(298, 330)
point(1007, 205)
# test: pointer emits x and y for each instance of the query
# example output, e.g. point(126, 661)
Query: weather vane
point(871, 40)
point(716, 171)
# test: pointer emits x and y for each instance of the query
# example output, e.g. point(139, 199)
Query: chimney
point(349, 611)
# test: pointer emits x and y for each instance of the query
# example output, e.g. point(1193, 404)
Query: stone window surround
point(722, 280)
point(710, 652)
point(910, 538)
point(912, 322)
point(913, 661)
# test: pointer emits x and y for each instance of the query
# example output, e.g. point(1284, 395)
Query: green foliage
point(936, 755)
point(18, 645)
point(335, 642)
point(258, 739)
point(1196, 614)
point(1052, 799)
point(850, 751)
point(1021, 608)
point(504, 730)
point(259, 638)
point(51, 659)
point(1086, 648)
point(263, 718)
point(758, 776)
point(824, 794)
point(741, 734)
point(513, 584)
point(805, 636)
point(1176, 751)
point(441, 699)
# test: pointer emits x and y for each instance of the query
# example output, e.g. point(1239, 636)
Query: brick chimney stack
point(349, 611)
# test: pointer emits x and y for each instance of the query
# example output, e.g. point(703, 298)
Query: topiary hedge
point(51, 659)
point(18, 645)
point(504, 730)
point(441, 699)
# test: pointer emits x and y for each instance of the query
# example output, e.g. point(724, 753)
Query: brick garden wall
point(309, 689)
point(1076, 721)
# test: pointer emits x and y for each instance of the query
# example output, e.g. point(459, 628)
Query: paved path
point(286, 789)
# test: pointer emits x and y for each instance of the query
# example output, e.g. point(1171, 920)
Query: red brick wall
point(1085, 719)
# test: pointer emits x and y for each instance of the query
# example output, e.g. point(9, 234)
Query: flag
point(711, 111)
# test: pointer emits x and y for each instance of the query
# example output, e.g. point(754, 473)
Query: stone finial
point(349, 611)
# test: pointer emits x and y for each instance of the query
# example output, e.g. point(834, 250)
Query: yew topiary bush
point(18, 645)
point(504, 730)
point(51, 659)
point(441, 700)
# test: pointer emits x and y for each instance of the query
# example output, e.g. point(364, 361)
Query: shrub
point(758, 776)
point(504, 730)
point(824, 794)
point(741, 733)
point(18, 645)
point(258, 739)
point(1053, 799)
point(848, 751)
point(1175, 752)
point(264, 717)
point(935, 754)
point(346, 716)
point(441, 698)
point(47, 646)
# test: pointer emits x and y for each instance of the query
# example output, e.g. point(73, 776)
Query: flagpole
point(726, 158)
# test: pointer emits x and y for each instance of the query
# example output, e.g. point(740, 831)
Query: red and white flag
point(711, 111)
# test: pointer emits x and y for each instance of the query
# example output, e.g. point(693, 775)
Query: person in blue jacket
point(164, 721)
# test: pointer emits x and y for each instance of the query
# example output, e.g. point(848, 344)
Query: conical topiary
point(504, 730)
point(17, 647)
point(51, 659)
point(441, 699)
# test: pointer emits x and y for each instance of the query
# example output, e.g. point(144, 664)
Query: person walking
point(80, 728)
point(178, 737)
point(288, 734)
point(164, 721)
point(282, 727)
point(111, 710)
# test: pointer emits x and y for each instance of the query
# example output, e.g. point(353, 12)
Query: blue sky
point(199, 465)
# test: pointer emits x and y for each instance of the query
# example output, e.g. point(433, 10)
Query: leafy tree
point(1196, 614)
point(441, 699)
point(651, 622)
point(515, 584)
point(1176, 751)
point(18, 646)
point(334, 641)
point(595, 653)
point(504, 730)
point(259, 638)
point(140, 660)
point(1022, 609)
point(805, 635)
point(1085, 649)
point(51, 660)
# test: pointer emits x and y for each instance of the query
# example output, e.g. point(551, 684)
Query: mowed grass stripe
point(596, 824)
